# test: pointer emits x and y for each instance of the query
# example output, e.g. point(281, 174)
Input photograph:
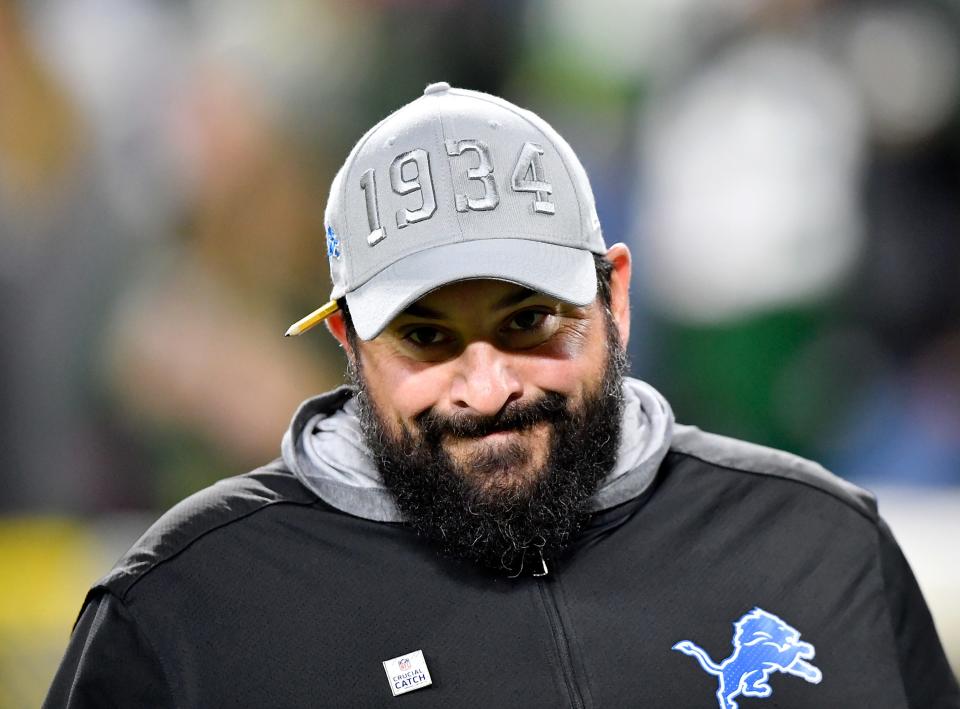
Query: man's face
point(493, 412)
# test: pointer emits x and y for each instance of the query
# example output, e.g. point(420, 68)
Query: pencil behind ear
point(312, 320)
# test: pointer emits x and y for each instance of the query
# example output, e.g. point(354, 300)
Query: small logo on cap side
point(333, 244)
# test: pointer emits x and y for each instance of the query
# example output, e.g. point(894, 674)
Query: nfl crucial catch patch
point(762, 644)
point(407, 673)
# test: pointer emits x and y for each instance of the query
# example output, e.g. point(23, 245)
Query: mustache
point(516, 416)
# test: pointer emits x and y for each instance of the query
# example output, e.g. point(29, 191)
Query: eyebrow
point(513, 298)
point(422, 311)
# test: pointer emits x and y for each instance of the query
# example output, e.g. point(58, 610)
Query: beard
point(503, 505)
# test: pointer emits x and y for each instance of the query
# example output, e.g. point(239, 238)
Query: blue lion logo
point(762, 644)
point(333, 243)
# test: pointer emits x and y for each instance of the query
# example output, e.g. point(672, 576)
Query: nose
point(485, 380)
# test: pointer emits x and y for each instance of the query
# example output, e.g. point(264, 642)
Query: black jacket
point(256, 593)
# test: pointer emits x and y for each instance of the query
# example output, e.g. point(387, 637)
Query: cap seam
point(453, 184)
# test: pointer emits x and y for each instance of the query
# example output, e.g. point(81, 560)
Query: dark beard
point(486, 516)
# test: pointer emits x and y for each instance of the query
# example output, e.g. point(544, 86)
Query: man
point(493, 515)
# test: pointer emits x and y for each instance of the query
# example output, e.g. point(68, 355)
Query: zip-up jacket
point(738, 577)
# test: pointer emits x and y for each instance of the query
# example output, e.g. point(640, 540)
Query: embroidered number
point(483, 173)
point(528, 177)
point(368, 183)
point(421, 182)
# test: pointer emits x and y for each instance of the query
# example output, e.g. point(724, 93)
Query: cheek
point(572, 364)
point(570, 377)
point(401, 389)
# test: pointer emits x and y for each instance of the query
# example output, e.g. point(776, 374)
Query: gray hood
point(324, 448)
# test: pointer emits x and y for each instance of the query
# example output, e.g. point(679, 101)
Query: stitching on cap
point(443, 144)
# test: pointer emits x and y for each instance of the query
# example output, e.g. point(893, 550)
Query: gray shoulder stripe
point(753, 458)
point(225, 502)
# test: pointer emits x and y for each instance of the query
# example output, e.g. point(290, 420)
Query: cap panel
point(576, 174)
point(397, 184)
point(336, 219)
point(506, 144)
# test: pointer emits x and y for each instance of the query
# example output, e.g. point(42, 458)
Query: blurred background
point(785, 171)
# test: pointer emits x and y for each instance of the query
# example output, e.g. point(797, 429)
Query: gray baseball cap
point(457, 185)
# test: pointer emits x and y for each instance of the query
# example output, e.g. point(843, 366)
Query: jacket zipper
point(563, 645)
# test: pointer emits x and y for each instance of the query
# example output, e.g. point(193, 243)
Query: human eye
point(526, 320)
point(529, 328)
point(424, 336)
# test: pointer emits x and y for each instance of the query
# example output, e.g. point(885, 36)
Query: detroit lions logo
point(762, 644)
point(333, 244)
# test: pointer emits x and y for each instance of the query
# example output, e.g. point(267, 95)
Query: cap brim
point(563, 272)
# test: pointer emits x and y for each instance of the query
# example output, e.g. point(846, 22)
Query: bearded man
point(493, 514)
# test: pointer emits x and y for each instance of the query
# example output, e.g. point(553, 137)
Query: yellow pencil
point(314, 318)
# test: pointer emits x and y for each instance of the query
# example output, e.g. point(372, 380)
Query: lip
point(488, 438)
point(500, 434)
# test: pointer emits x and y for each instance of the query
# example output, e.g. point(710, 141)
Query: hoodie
point(325, 449)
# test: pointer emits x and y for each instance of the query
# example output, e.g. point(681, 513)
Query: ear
point(619, 256)
point(338, 328)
